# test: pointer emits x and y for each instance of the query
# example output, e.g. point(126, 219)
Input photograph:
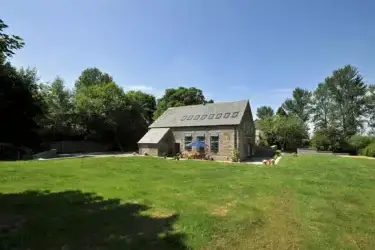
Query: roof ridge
point(206, 104)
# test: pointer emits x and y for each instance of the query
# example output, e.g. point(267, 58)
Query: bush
point(235, 155)
point(320, 141)
point(359, 142)
point(369, 150)
point(277, 154)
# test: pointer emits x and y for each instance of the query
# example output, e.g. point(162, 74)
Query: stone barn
point(223, 127)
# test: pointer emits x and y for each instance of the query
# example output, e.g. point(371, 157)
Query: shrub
point(277, 154)
point(358, 142)
point(320, 141)
point(177, 156)
point(369, 150)
point(235, 155)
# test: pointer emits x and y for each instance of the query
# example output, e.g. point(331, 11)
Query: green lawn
point(148, 203)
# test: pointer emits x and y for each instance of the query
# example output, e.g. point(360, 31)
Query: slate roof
point(154, 135)
point(212, 114)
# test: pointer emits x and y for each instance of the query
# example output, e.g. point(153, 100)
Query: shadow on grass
point(76, 220)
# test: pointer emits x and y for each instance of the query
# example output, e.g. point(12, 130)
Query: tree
point(146, 103)
point(347, 92)
point(322, 110)
point(290, 131)
point(179, 97)
point(109, 116)
point(284, 131)
point(92, 76)
point(321, 141)
point(18, 108)
point(59, 120)
point(370, 104)
point(8, 43)
point(299, 105)
point(264, 112)
point(281, 112)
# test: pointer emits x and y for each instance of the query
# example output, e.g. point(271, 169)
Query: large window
point(214, 144)
point(188, 139)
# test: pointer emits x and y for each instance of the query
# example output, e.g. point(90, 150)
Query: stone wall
point(246, 135)
point(149, 149)
point(226, 139)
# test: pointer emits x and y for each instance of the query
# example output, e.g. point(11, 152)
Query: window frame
point(214, 139)
point(187, 148)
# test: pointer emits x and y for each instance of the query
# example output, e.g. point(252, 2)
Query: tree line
point(35, 113)
point(340, 110)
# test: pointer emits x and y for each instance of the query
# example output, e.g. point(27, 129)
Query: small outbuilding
point(223, 127)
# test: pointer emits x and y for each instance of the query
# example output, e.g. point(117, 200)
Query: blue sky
point(232, 49)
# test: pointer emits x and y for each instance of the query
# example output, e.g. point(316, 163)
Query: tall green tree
point(370, 104)
point(264, 112)
point(347, 91)
point(290, 131)
point(299, 105)
point(109, 115)
point(181, 96)
point(18, 108)
point(284, 131)
point(322, 109)
point(59, 122)
point(18, 105)
point(92, 76)
point(146, 103)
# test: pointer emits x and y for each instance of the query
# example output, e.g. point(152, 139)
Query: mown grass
point(304, 202)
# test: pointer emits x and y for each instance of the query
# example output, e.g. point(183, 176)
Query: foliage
point(358, 142)
point(284, 131)
point(92, 76)
point(339, 107)
point(18, 108)
point(370, 105)
point(369, 150)
point(264, 112)
point(322, 107)
point(299, 105)
point(146, 103)
point(320, 141)
point(109, 116)
point(179, 97)
point(290, 131)
point(18, 103)
point(281, 112)
point(235, 155)
point(8, 43)
point(60, 120)
point(347, 92)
